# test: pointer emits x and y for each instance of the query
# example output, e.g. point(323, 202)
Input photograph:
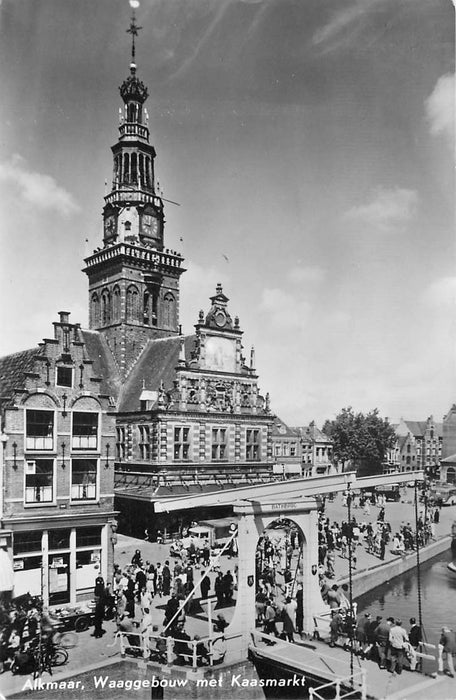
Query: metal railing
point(173, 650)
point(345, 684)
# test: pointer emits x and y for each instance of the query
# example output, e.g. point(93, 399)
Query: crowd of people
point(24, 626)
point(374, 535)
point(139, 584)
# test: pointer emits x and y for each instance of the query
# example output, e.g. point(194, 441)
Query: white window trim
point(79, 501)
point(86, 449)
point(40, 504)
point(45, 450)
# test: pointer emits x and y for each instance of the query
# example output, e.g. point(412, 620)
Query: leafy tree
point(362, 440)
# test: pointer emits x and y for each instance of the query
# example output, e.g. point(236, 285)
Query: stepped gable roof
point(418, 428)
point(156, 364)
point(281, 429)
point(12, 369)
point(103, 362)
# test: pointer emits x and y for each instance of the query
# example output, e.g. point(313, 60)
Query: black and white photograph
point(227, 358)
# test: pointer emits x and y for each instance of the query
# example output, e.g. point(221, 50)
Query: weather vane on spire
point(133, 29)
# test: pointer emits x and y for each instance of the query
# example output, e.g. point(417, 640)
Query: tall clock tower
point(133, 278)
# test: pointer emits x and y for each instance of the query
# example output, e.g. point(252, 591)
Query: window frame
point(87, 447)
point(251, 445)
point(40, 503)
point(219, 444)
point(29, 447)
point(144, 444)
point(88, 499)
point(64, 367)
point(182, 443)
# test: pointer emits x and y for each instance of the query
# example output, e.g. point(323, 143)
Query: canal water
point(399, 598)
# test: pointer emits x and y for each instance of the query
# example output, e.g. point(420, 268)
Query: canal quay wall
point(366, 580)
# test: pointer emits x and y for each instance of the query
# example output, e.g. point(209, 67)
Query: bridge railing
point(333, 667)
point(173, 651)
point(343, 688)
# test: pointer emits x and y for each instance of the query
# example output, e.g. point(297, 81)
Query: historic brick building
point(418, 446)
point(58, 439)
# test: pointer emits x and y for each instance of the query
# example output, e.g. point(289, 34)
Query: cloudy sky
point(310, 146)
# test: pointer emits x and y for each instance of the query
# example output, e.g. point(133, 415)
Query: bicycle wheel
point(67, 640)
point(59, 657)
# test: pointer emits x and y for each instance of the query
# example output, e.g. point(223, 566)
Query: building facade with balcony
point(58, 438)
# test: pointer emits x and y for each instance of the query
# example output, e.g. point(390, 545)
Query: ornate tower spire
point(133, 279)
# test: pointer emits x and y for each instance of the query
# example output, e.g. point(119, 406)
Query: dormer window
point(64, 376)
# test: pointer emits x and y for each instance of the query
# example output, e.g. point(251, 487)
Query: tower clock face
point(110, 225)
point(149, 225)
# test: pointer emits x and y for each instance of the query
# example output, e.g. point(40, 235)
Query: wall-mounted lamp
point(108, 447)
point(64, 412)
point(63, 455)
point(14, 446)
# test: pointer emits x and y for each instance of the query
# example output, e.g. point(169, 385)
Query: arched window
point(146, 307)
point(94, 310)
point(147, 171)
point(126, 176)
point(131, 112)
point(105, 307)
point(132, 303)
point(134, 167)
point(141, 170)
point(168, 310)
point(116, 304)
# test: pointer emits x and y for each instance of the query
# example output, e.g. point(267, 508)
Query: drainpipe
point(3, 440)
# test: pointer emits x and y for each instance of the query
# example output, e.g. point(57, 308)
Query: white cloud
point(387, 211)
point(440, 107)
point(342, 25)
point(285, 311)
point(442, 292)
point(303, 274)
point(36, 188)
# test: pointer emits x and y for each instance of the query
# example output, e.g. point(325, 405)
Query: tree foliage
point(362, 440)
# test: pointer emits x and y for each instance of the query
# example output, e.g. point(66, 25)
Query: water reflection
point(400, 597)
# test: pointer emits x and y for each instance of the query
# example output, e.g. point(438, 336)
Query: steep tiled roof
point(103, 362)
point(12, 368)
point(157, 363)
point(281, 429)
point(418, 428)
point(311, 432)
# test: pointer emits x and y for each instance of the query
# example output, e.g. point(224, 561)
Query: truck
point(215, 532)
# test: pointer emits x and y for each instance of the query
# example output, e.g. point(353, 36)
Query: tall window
point(83, 479)
point(144, 441)
point(219, 444)
point(85, 431)
point(181, 443)
point(39, 481)
point(252, 446)
point(95, 310)
point(120, 443)
point(116, 304)
point(39, 430)
point(132, 304)
point(64, 376)
point(168, 310)
point(105, 308)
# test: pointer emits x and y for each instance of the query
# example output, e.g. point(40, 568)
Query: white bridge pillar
point(255, 517)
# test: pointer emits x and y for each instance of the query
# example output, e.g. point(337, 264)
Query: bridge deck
point(316, 659)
